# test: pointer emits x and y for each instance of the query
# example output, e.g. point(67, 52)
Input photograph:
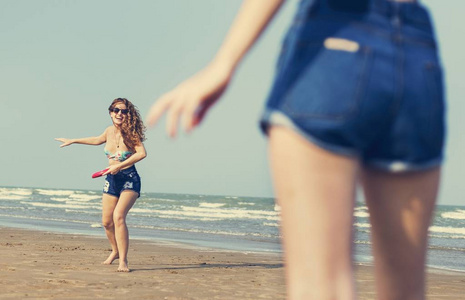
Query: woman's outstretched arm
point(191, 99)
point(95, 140)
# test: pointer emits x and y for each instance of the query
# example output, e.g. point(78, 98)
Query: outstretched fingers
point(172, 118)
point(63, 141)
point(189, 102)
point(158, 109)
point(178, 109)
point(189, 115)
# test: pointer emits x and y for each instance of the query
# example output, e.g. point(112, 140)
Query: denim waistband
point(127, 171)
point(411, 19)
point(413, 12)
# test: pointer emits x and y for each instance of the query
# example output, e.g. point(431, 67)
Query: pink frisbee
point(99, 173)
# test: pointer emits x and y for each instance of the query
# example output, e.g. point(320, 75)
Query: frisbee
point(99, 173)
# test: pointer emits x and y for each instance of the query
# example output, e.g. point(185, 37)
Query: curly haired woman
point(123, 148)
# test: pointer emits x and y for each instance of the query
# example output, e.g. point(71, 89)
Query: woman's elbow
point(143, 155)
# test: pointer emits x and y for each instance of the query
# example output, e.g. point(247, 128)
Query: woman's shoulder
point(108, 129)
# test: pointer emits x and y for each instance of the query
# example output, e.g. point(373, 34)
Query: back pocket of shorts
point(328, 79)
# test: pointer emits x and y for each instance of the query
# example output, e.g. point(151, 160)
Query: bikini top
point(118, 155)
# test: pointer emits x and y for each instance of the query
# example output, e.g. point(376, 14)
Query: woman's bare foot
point(123, 267)
point(114, 255)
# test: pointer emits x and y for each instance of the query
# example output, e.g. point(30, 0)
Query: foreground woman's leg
point(401, 206)
point(316, 191)
point(125, 202)
point(108, 206)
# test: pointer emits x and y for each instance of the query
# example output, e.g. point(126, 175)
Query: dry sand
point(43, 265)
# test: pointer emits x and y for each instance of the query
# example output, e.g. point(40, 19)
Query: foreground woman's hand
point(189, 102)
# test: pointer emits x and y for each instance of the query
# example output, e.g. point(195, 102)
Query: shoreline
point(196, 239)
point(163, 238)
point(41, 264)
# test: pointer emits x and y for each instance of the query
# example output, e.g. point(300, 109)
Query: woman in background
point(124, 147)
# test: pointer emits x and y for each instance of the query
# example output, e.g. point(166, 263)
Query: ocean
point(235, 223)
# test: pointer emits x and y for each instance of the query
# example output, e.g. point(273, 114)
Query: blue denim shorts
point(362, 78)
point(127, 179)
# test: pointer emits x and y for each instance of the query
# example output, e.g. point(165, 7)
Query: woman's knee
point(108, 223)
point(119, 219)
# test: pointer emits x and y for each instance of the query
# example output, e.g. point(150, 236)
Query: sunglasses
point(117, 110)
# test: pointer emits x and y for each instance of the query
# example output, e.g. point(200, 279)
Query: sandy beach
point(43, 265)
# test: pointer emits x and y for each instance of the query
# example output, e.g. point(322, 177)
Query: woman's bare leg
point(108, 206)
point(401, 207)
point(316, 191)
point(125, 202)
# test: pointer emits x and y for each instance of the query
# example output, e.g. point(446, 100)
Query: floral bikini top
point(118, 155)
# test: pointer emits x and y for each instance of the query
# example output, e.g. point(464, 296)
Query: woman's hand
point(190, 101)
point(113, 170)
point(65, 142)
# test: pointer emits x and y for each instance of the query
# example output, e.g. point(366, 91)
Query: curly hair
point(132, 129)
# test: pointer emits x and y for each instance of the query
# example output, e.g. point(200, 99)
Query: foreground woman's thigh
point(315, 190)
point(401, 206)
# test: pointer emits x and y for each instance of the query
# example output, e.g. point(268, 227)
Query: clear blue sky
point(63, 61)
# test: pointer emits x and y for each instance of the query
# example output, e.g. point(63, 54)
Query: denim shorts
point(362, 78)
point(127, 179)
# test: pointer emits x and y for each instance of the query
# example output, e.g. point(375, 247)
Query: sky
point(62, 62)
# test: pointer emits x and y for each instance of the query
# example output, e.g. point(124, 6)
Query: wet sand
point(43, 265)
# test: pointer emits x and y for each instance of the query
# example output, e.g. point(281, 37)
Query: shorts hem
point(138, 193)
point(399, 166)
point(117, 196)
point(273, 117)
